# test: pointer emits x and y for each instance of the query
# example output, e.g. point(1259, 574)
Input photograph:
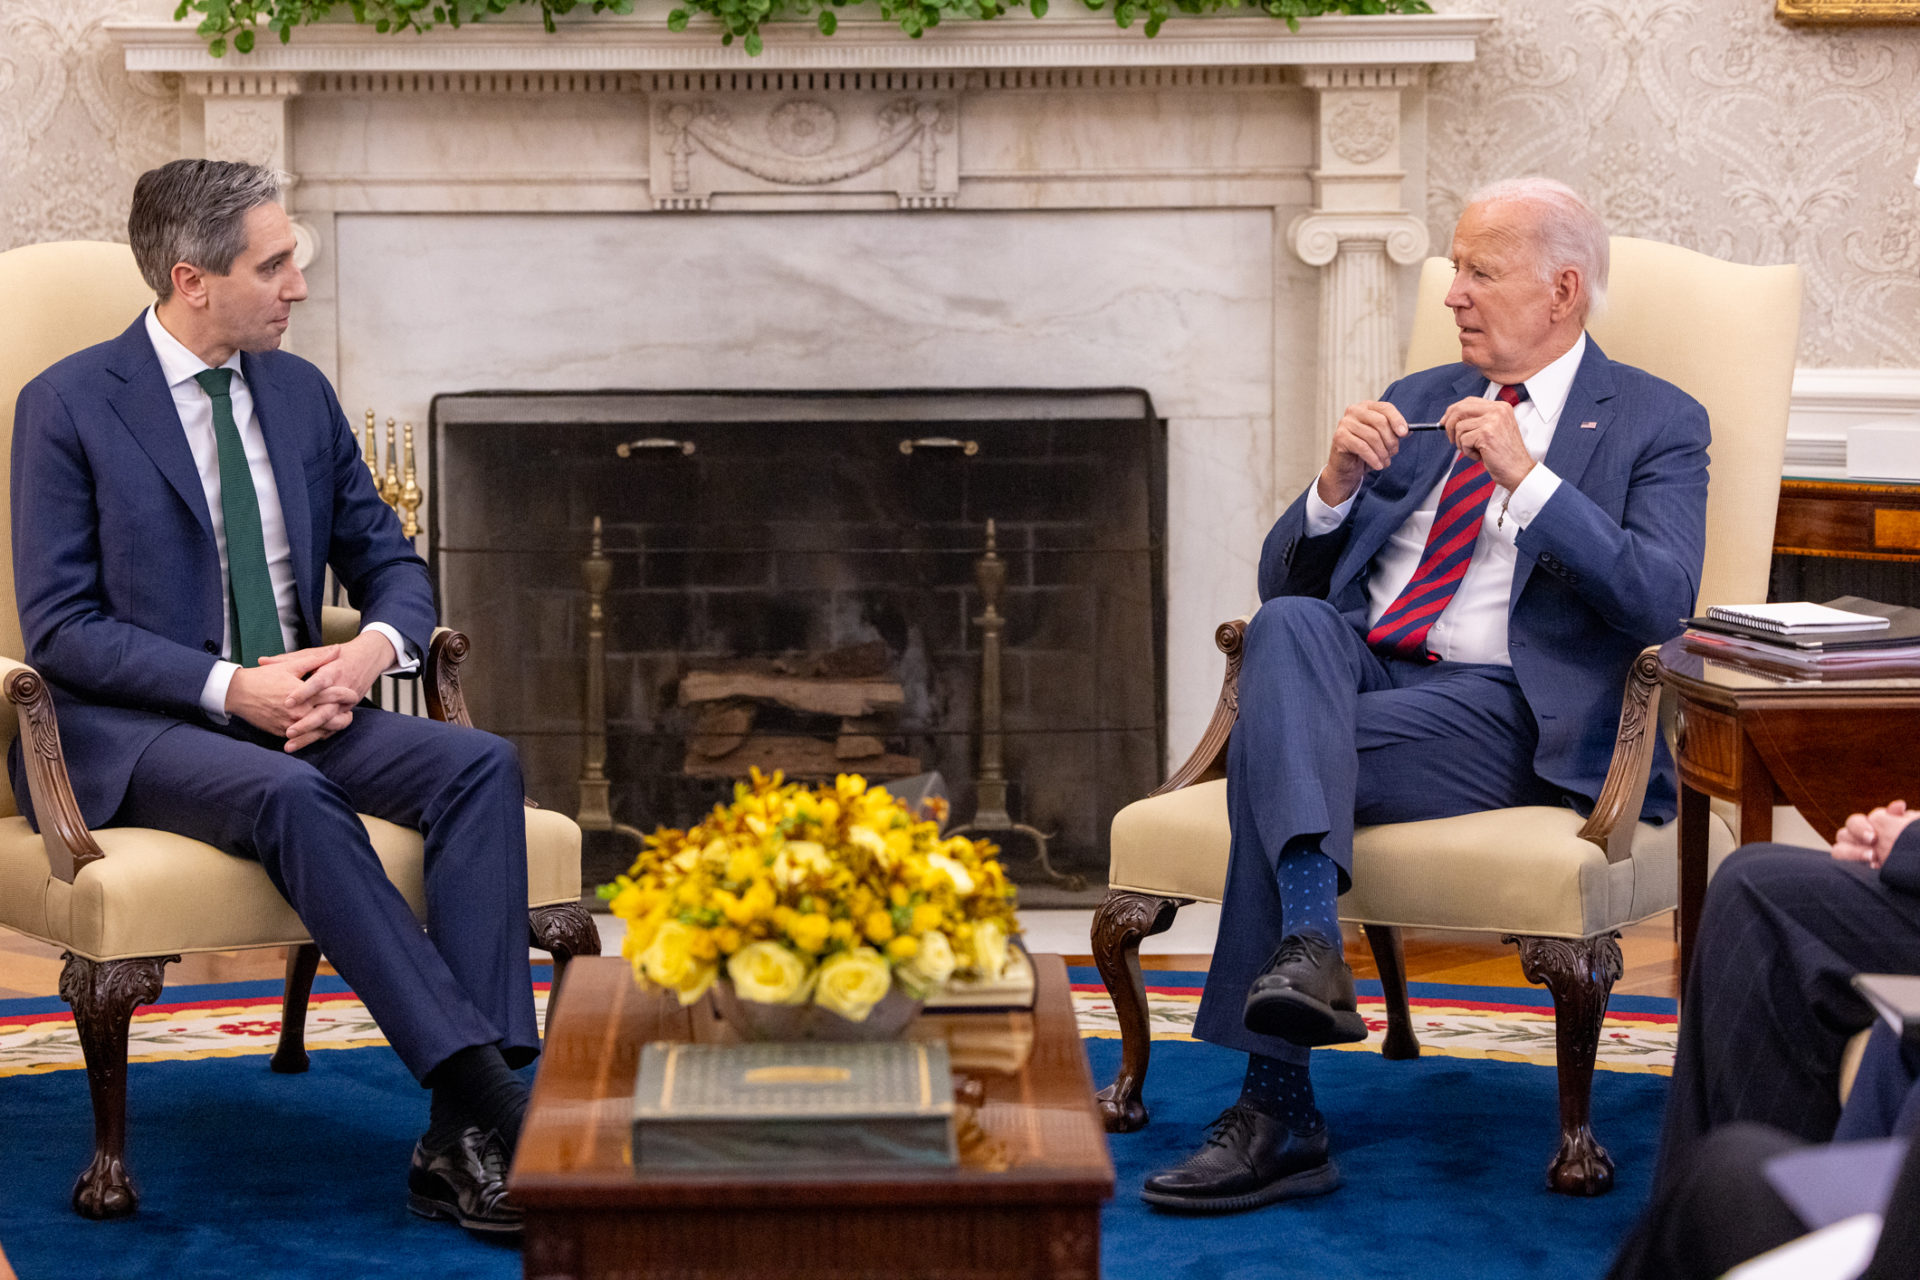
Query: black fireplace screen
point(792, 583)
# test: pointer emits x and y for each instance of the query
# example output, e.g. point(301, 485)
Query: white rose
point(768, 973)
point(931, 965)
point(850, 983)
point(989, 948)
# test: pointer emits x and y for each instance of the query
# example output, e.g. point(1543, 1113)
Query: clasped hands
point(309, 694)
point(1869, 837)
point(1369, 435)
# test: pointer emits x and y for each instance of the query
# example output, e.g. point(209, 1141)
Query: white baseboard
point(1828, 401)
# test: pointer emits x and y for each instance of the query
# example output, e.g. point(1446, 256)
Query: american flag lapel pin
point(1588, 426)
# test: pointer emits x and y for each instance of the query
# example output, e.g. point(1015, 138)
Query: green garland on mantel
point(233, 22)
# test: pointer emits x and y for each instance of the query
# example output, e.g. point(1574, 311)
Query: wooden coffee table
point(1023, 1202)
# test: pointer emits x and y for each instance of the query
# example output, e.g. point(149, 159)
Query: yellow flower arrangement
point(830, 894)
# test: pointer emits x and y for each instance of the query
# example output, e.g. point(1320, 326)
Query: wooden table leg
point(1693, 870)
point(1757, 794)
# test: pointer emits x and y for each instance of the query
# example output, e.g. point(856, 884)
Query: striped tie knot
point(1402, 630)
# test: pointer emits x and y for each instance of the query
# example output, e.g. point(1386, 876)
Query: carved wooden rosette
point(104, 995)
point(1580, 973)
point(1122, 922)
point(442, 677)
point(70, 846)
point(563, 930)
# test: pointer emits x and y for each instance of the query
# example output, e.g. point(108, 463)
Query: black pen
point(1426, 426)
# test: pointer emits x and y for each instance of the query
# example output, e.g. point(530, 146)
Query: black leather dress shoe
point(465, 1181)
point(1250, 1159)
point(1305, 995)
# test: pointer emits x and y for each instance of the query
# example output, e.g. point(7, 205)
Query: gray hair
point(1570, 232)
point(195, 211)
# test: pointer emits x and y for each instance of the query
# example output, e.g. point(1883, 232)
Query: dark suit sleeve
point(385, 579)
point(1641, 574)
point(70, 637)
point(1296, 563)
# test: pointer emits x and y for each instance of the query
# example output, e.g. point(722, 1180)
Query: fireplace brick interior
point(798, 526)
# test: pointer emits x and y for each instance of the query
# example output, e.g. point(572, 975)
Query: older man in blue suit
point(178, 496)
point(1448, 616)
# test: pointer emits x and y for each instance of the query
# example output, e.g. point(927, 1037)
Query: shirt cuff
point(406, 662)
point(1526, 501)
point(1322, 518)
point(213, 694)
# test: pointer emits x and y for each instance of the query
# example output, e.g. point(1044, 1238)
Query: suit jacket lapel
point(276, 415)
point(1430, 453)
point(1573, 440)
point(145, 405)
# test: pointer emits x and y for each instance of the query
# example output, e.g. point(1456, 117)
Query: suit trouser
point(465, 980)
point(1330, 734)
point(1769, 1004)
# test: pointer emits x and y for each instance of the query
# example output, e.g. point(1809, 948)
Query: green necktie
point(255, 616)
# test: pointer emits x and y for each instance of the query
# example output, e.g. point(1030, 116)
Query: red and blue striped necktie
point(1402, 629)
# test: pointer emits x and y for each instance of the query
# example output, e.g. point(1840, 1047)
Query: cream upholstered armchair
point(1558, 885)
point(123, 901)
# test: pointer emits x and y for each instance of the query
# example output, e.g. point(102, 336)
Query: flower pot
point(752, 1020)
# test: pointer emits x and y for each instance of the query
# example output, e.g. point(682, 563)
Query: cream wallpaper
point(1702, 122)
point(1707, 123)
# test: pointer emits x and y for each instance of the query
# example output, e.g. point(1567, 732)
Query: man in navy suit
point(1448, 617)
point(178, 496)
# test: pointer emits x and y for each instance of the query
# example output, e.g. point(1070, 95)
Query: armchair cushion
point(156, 893)
point(1522, 871)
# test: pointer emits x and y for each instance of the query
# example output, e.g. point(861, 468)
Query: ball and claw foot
point(104, 1190)
point(1121, 1115)
point(1581, 1167)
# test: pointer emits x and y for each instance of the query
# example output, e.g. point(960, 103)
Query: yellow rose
point(878, 926)
point(931, 965)
point(926, 917)
point(669, 962)
point(850, 983)
point(809, 932)
point(903, 948)
point(768, 973)
point(989, 948)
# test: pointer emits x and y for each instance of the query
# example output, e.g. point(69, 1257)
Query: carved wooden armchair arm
point(1615, 816)
point(1209, 759)
point(70, 846)
point(439, 674)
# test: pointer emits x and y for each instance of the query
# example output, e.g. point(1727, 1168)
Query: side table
point(1828, 747)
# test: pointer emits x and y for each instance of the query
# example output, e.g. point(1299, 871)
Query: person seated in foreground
point(179, 494)
point(1769, 1007)
point(1447, 623)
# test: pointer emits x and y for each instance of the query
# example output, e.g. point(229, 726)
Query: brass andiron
point(371, 451)
point(990, 813)
point(596, 810)
point(390, 486)
point(409, 491)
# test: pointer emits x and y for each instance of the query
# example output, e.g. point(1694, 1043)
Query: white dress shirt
point(178, 366)
point(1473, 626)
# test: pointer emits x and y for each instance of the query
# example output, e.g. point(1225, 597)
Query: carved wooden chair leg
point(1580, 974)
point(104, 995)
point(1122, 922)
point(564, 931)
point(290, 1057)
point(1390, 957)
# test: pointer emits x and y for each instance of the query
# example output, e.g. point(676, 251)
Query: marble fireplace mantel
point(1222, 215)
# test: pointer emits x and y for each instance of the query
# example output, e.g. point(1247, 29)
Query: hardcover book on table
point(804, 1109)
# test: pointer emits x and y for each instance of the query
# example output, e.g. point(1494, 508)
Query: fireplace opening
point(801, 580)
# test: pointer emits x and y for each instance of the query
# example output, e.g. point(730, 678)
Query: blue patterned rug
point(249, 1174)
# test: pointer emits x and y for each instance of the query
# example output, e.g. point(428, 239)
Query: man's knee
point(296, 791)
point(1287, 623)
point(1767, 873)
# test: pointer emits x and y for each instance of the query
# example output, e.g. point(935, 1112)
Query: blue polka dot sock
point(1282, 1090)
point(1309, 893)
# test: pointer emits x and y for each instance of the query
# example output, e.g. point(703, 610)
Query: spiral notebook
point(1897, 627)
point(1797, 618)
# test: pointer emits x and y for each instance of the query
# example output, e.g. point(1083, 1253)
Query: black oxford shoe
point(1305, 995)
point(465, 1181)
point(1249, 1159)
